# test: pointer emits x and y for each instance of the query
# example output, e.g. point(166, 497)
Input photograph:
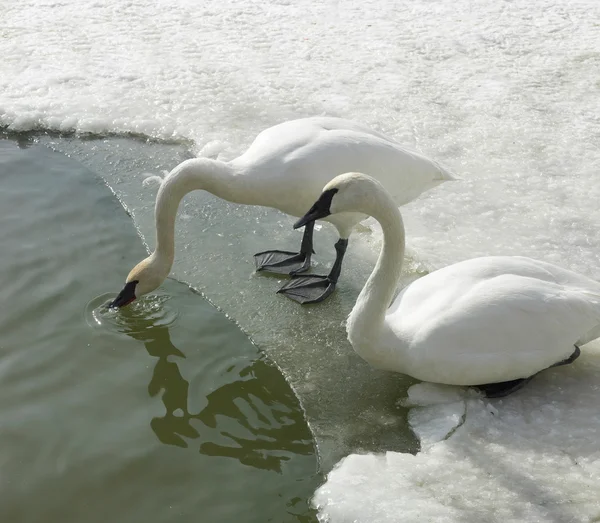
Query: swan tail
point(592, 297)
point(444, 175)
point(590, 335)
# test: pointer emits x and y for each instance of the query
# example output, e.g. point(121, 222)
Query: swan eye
point(324, 202)
point(320, 209)
point(322, 206)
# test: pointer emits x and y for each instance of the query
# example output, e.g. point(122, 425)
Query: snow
point(505, 93)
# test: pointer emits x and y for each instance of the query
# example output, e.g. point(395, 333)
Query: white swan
point(491, 322)
point(286, 167)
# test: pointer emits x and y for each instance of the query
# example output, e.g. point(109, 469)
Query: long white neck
point(366, 321)
point(216, 177)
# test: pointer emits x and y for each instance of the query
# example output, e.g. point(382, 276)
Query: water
point(504, 93)
point(144, 414)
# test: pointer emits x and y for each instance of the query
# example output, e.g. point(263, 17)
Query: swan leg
point(315, 288)
point(498, 390)
point(285, 262)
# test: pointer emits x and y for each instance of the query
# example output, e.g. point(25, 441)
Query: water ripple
point(144, 313)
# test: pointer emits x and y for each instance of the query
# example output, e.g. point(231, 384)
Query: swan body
point(285, 168)
point(491, 319)
point(291, 162)
point(488, 320)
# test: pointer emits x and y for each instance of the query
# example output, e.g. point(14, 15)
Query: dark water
point(164, 412)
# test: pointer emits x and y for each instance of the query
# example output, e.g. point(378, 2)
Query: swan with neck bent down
point(285, 168)
point(491, 322)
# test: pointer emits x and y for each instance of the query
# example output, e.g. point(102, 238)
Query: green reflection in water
point(76, 419)
point(253, 417)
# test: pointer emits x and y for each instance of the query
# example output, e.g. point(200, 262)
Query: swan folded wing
point(404, 173)
point(498, 329)
point(293, 161)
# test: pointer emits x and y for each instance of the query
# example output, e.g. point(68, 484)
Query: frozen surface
point(532, 457)
point(504, 93)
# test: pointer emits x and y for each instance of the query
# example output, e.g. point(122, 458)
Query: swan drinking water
point(491, 322)
point(285, 168)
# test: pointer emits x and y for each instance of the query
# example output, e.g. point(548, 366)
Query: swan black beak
point(321, 209)
point(125, 297)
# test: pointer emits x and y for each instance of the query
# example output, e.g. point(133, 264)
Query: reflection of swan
point(273, 431)
point(286, 167)
point(495, 320)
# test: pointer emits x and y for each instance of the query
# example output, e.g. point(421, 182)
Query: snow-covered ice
point(505, 93)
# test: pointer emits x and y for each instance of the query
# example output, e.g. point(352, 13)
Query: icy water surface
point(162, 412)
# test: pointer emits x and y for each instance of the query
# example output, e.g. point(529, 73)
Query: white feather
point(483, 320)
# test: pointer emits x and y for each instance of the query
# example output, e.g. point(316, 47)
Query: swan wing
point(493, 319)
point(298, 158)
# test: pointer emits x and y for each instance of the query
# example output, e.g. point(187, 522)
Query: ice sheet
point(503, 92)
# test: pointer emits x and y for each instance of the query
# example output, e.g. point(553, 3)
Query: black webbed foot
point(282, 262)
point(499, 390)
point(285, 262)
point(308, 289)
point(502, 389)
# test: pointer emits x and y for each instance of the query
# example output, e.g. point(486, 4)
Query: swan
point(286, 167)
point(490, 322)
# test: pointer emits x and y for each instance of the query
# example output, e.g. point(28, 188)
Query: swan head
point(145, 277)
point(349, 192)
